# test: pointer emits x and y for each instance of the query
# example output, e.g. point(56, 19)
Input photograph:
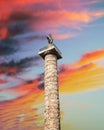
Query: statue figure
point(50, 39)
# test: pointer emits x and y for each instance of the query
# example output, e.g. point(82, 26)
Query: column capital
point(50, 49)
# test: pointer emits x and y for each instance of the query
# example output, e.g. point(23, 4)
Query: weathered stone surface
point(52, 112)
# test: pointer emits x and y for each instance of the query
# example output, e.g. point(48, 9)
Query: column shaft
point(52, 111)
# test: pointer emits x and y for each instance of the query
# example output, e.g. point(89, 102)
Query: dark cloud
point(8, 46)
point(13, 68)
point(41, 86)
point(28, 37)
point(18, 22)
point(26, 62)
point(62, 68)
point(9, 28)
point(41, 77)
point(16, 28)
point(15, 24)
point(29, 81)
point(20, 16)
point(34, 37)
point(41, 81)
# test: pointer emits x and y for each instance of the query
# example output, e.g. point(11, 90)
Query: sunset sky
point(77, 27)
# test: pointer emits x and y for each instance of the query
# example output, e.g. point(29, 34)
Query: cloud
point(25, 88)
point(13, 67)
point(34, 16)
point(63, 36)
point(8, 46)
point(69, 18)
point(21, 107)
point(84, 75)
point(7, 95)
point(15, 24)
point(26, 2)
point(3, 81)
point(91, 57)
point(41, 86)
point(3, 32)
point(17, 16)
point(30, 37)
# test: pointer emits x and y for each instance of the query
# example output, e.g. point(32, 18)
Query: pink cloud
point(49, 14)
point(63, 36)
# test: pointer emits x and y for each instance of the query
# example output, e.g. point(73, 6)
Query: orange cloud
point(21, 112)
point(64, 18)
point(84, 75)
point(24, 89)
point(91, 57)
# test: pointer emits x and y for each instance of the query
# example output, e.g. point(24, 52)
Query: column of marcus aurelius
point(51, 54)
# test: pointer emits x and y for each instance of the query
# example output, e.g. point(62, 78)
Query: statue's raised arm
point(50, 39)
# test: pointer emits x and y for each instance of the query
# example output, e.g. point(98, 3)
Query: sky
point(77, 27)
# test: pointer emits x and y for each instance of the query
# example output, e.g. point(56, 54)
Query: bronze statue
point(50, 39)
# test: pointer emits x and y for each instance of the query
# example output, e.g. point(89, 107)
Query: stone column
point(52, 112)
point(51, 54)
